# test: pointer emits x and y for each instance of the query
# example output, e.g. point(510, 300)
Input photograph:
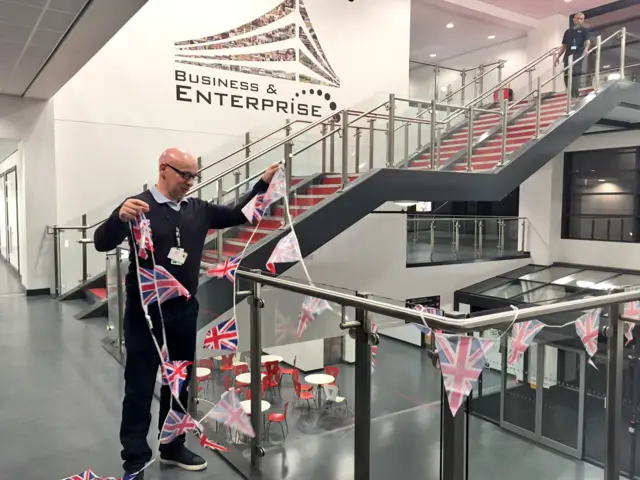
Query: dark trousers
point(140, 373)
point(577, 74)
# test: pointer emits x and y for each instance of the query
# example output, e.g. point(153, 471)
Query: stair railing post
point(332, 147)
point(198, 181)
point(324, 148)
point(432, 239)
point(362, 412)
point(120, 296)
point(470, 141)
point(56, 261)
point(391, 130)
point(530, 80)
point(481, 78)
point(219, 246)
point(456, 238)
point(538, 107)
point(247, 154)
point(436, 85)
point(554, 72)
point(449, 91)
point(596, 80)
point(500, 68)
point(85, 266)
point(463, 75)
point(432, 127)
point(524, 234)
point(438, 145)
point(255, 314)
point(505, 127)
point(405, 162)
point(480, 235)
point(613, 400)
point(236, 180)
point(623, 50)
point(358, 135)
point(345, 149)
point(569, 83)
point(372, 133)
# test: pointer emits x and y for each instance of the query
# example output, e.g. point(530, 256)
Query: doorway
point(10, 267)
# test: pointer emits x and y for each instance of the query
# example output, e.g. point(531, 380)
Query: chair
point(238, 370)
point(302, 395)
point(331, 396)
point(273, 374)
point(288, 371)
point(227, 385)
point(280, 418)
point(205, 363)
point(296, 379)
point(334, 372)
point(227, 363)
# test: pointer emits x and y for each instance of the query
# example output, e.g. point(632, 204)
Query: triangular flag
point(628, 331)
point(141, 228)
point(226, 270)
point(311, 308)
point(255, 208)
point(211, 445)
point(287, 251)
point(223, 336)
point(176, 424)
point(521, 338)
point(164, 353)
point(277, 188)
point(587, 327)
point(168, 286)
point(430, 310)
point(229, 412)
point(86, 475)
point(462, 359)
point(176, 375)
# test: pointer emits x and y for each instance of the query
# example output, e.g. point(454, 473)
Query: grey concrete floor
point(61, 397)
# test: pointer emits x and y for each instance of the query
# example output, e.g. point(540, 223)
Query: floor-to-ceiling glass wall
point(3, 218)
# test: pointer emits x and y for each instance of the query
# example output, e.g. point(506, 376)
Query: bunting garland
point(521, 338)
point(287, 251)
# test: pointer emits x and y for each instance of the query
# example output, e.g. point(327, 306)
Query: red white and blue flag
point(146, 280)
point(176, 375)
point(226, 270)
point(255, 208)
point(431, 311)
point(141, 227)
point(462, 359)
point(277, 188)
point(287, 251)
point(374, 348)
point(206, 443)
point(587, 327)
point(164, 353)
point(168, 286)
point(176, 424)
point(86, 475)
point(311, 308)
point(223, 336)
point(229, 412)
point(521, 338)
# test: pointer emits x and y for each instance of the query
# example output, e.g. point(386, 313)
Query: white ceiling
point(7, 147)
point(430, 35)
point(544, 8)
point(29, 32)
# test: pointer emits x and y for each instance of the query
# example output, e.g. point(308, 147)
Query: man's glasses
point(185, 175)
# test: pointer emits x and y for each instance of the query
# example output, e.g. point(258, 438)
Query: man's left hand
point(271, 171)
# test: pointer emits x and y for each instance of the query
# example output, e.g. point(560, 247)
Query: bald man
point(179, 226)
point(576, 41)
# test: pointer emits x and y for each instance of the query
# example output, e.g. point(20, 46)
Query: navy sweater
point(195, 218)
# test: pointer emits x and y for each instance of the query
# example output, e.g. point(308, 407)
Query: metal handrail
point(497, 66)
point(484, 322)
point(249, 145)
point(430, 216)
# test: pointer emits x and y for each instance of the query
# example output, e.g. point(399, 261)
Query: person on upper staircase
point(576, 42)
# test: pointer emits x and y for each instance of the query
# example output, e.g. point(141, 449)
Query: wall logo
point(281, 45)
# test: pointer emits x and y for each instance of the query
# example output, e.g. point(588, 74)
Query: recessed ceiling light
point(449, 25)
point(491, 37)
point(600, 179)
point(567, 1)
point(444, 89)
point(606, 66)
point(433, 55)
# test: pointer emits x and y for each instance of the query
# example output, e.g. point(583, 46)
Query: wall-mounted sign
point(433, 302)
point(250, 62)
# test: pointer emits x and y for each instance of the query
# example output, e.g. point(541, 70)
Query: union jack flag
point(255, 208)
point(223, 336)
point(206, 443)
point(374, 348)
point(277, 188)
point(521, 338)
point(164, 354)
point(587, 329)
point(130, 476)
point(311, 308)
point(176, 375)
point(632, 310)
point(176, 424)
point(628, 331)
point(168, 286)
point(141, 227)
point(431, 311)
point(146, 280)
point(229, 412)
point(287, 251)
point(86, 475)
point(461, 361)
point(226, 270)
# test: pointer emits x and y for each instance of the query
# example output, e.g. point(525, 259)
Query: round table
point(202, 372)
point(246, 377)
point(270, 358)
point(319, 379)
point(246, 405)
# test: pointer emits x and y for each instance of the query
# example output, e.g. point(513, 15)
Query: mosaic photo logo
point(279, 45)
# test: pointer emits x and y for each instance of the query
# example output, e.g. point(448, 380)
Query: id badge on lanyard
point(177, 255)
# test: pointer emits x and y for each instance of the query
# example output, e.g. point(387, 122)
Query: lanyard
point(178, 234)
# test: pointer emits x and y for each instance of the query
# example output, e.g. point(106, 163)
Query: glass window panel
point(613, 204)
point(486, 285)
point(622, 182)
point(619, 281)
point(519, 272)
point(550, 274)
point(546, 294)
point(584, 278)
point(606, 229)
point(511, 289)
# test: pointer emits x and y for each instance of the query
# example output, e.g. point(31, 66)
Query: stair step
point(307, 200)
point(271, 222)
point(323, 189)
point(245, 233)
point(99, 293)
point(335, 179)
point(295, 210)
point(211, 256)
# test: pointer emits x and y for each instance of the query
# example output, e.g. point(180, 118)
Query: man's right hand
point(132, 208)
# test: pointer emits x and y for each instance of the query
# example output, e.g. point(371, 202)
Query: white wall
point(115, 117)
point(31, 122)
point(377, 266)
point(541, 202)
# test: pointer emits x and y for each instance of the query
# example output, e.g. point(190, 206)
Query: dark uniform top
point(574, 40)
